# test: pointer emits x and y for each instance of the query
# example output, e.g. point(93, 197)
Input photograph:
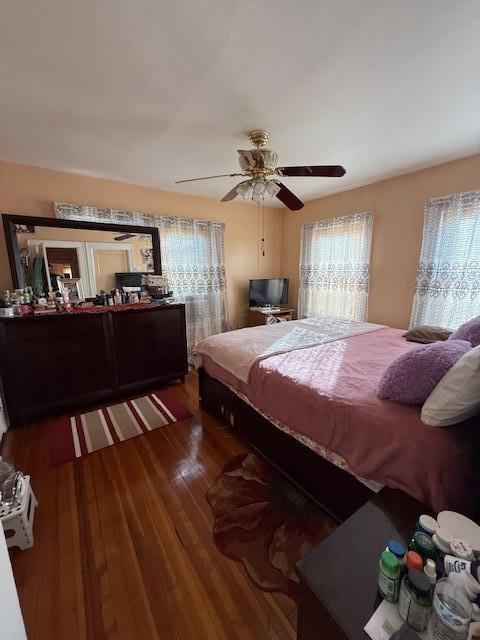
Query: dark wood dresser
point(57, 362)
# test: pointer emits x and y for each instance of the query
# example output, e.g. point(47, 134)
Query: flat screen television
point(271, 292)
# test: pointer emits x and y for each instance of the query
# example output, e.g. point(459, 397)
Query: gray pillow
point(425, 334)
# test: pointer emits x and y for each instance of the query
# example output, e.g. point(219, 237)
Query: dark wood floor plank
point(123, 541)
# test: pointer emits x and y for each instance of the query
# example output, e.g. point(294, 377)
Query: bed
point(311, 408)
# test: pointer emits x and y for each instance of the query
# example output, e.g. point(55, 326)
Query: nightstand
point(259, 316)
point(338, 578)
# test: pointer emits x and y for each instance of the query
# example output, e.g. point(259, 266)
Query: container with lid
point(389, 576)
point(423, 545)
point(451, 612)
point(456, 565)
point(414, 561)
point(442, 539)
point(461, 527)
point(427, 524)
point(430, 570)
point(398, 550)
point(415, 599)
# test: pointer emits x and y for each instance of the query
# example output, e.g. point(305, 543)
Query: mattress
point(327, 394)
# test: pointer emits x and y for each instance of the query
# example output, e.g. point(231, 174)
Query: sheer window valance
point(335, 266)
point(447, 291)
point(192, 260)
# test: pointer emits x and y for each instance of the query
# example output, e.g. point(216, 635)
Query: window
point(193, 262)
point(335, 267)
point(447, 292)
point(192, 259)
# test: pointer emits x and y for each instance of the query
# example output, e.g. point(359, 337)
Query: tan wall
point(32, 191)
point(397, 231)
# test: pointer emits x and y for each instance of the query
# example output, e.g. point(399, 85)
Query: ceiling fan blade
point(125, 236)
point(233, 193)
point(223, 175)
point(328, 171)
point(288, 198)
point(230, 195)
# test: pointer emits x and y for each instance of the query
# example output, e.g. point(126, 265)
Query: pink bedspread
point(328, 393)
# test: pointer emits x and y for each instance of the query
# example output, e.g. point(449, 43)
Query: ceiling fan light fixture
point(259, 189)
point(272, 189)
point(245, 189)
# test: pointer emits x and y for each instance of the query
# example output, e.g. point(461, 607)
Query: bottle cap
point(419, 581)
point(414, 561)
point(444, 536)
point(428, 524)
point(396, 548)
point(389, 561)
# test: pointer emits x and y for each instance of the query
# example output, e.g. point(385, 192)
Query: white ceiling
point(149, 91)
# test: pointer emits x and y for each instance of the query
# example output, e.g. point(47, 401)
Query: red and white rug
point(265, 522)
point(75, 436)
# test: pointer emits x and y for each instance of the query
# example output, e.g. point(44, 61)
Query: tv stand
point(259, 315)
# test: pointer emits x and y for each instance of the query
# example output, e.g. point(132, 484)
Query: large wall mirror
point(44, 253)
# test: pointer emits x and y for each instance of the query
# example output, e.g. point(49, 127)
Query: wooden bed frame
point(337, 491)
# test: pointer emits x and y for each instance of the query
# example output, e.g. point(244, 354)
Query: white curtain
point(447, 291)
point(192, 260)
point(335, 267)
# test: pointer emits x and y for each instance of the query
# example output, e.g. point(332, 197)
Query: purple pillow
point(469, 331)
point(412, 377)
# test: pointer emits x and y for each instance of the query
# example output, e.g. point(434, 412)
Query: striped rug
point(75, 436)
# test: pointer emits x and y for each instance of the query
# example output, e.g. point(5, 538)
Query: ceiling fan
point(260, 168)
point(127, 236)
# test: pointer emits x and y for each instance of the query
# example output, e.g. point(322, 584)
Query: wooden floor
point(123, 541)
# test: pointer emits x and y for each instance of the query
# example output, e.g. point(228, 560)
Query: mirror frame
point(16, 269)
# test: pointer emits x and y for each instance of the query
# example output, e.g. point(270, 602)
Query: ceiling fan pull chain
point(263, 227)
point(258, 234)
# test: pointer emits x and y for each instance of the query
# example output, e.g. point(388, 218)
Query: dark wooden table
point(338, 579)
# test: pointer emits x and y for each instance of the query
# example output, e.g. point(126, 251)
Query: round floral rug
point(264, 522)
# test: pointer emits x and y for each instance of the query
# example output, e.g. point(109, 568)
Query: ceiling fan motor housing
point(258, 161)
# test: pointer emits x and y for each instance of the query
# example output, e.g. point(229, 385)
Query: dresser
point(58, 362)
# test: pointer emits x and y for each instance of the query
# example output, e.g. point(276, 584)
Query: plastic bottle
point(422, 543)
point(413, 560)
point(430, 570)
point(451, 612)
point(415, 599)
point(456, 565)
point(398, 550)
point(389, 576)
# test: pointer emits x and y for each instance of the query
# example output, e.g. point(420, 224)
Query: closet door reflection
point(105, 261)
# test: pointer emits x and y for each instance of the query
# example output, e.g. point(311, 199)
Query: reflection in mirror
point(84, 259)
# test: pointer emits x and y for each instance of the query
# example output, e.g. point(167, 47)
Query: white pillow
point(457, 396)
